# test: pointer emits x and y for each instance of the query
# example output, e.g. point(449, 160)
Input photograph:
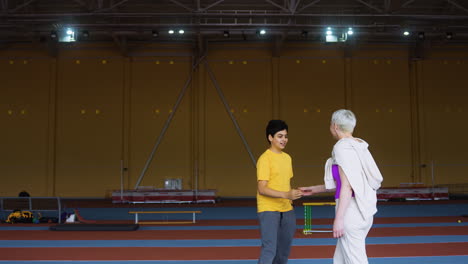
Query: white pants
point(351, 247)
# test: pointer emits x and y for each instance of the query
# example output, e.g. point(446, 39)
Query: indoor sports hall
point(132, 129)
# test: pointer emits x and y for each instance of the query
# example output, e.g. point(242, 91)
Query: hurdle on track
point(308, 218)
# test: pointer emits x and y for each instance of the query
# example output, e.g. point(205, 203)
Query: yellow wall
point(381, 100)
point(24, 117)
point(311, 86)
point(445, 107)
point(154, 87)
point(72, 122)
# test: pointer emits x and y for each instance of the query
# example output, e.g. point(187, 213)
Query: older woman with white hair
point(352, 173)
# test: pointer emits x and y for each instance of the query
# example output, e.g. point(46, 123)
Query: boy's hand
point(294, 194)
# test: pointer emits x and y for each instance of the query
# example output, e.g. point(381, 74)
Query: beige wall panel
point(239, 52)
point(24, 117)
point(381, 102)
point(162, 50)
point(310, 90)
point(28, 51)
point(455, 52)
point(381, 52)
point(155, 86)
point(92, 50)
point(126, 103)
point(89, 126)
point(445, 93)
point(247, 88)
point(310, 50)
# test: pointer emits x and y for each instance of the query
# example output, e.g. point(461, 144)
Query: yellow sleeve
point(263, 169)
point(290, 162)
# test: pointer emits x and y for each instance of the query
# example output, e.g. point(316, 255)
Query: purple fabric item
point(336, 177)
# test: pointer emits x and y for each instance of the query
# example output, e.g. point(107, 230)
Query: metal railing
point(33, 204)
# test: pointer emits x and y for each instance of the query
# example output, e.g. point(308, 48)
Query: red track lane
point(213, 234)
point(329, 221)
point(320, 221)
point(206, 253)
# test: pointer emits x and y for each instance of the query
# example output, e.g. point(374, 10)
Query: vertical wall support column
point(126, 121)
point(348, 83)
point(275, 89)
point(52, 128)
point(424, 153)
point(419, 161)
point(193, 135)
point(200, 123)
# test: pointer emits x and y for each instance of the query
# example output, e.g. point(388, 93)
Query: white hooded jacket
point(356, 161)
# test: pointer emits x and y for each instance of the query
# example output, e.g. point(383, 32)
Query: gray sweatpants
point(277, 231)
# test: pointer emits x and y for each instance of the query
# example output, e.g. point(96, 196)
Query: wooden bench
point(165, 212)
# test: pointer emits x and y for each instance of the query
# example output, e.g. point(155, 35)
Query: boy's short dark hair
point(274, 126)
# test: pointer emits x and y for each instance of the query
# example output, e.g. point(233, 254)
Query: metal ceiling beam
point(41, 16)
point(112, 6)
point(21, 18)
point(395, 5)
point(19, 7)
point(407, 3)
point(81, 3)
point(308, 5)
point(387, 5)
point(458, 5)
point(293, 6)
point(117, 4)
point(370, 6)
point(182, 5)
point(277, 5)
point(209, 6)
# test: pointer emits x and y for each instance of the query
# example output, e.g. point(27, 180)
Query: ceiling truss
point(132, 20)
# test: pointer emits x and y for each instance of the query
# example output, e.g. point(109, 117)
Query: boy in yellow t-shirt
point(274, 197)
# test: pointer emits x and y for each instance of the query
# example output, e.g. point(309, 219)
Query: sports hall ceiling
point(234, 20)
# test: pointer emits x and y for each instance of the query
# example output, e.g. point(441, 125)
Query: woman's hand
point(314, 189)
point(306, 191)
point(338, 228)
point(294, 194)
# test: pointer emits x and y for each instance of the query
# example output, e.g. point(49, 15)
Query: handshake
point(294, 194)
